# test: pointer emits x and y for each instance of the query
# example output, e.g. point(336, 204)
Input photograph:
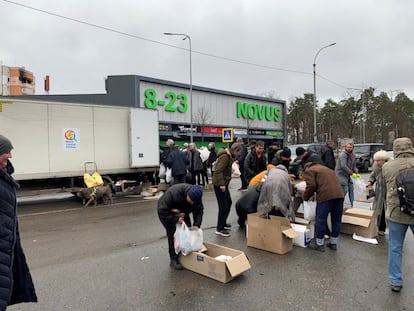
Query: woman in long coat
point(380, 158)
point(16, 283)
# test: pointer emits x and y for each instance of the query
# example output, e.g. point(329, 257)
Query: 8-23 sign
point(172, 103)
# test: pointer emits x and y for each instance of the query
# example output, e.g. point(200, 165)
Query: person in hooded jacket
point(175, 206)
point(16, 284)
point(398, 222)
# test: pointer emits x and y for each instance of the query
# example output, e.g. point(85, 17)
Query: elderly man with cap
point(16, 284)
point(398, 222)
point(175, 207)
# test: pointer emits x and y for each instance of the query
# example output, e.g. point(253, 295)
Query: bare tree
point(202, 119)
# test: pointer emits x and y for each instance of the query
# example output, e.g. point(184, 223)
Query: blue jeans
point(349, 188)
point(335, 207)
point(397, 233)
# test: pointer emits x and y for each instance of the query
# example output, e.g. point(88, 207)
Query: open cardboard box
point(274, 235)
point(204, 262)
point(359, 221)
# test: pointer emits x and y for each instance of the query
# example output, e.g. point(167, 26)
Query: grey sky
point(374, 46)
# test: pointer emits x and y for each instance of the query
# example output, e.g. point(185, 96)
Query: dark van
point(364, 155)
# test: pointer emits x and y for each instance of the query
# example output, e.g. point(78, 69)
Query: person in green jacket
point(221, 180)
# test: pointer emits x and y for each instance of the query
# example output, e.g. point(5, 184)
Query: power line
point(166, 44)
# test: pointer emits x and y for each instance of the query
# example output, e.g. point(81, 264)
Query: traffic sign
point(227, 135)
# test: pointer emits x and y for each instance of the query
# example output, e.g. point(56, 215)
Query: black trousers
point(243, 179)
point(224, 205)
point(381, 221)
point(169, 226)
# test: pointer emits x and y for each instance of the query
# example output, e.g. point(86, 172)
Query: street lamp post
point(191, 80)
point(315, 136)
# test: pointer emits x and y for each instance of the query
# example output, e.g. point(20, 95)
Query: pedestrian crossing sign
point(227, 135)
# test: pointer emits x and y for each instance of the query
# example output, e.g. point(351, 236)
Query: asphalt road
point(116, 258)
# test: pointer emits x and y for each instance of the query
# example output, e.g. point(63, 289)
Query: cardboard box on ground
point(304, 234)
point(274, 234)
point(216, 262)
point(359, 221)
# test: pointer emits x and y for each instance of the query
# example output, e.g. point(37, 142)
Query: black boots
point(176, 264)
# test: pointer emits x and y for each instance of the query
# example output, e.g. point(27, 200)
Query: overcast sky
point(374, 44)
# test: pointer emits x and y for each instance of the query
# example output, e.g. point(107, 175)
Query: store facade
point(250, 117)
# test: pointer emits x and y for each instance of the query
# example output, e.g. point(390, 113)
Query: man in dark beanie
point(307, 156)
point(174, 207)
point(16, 283)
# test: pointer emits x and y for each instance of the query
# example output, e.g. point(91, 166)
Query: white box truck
point(54, 140)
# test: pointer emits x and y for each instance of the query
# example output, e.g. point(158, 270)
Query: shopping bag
point(168, 175)
point(359, 187)
point(163, 171)
point(309, 210)
point(186, 240)
point(235, 170)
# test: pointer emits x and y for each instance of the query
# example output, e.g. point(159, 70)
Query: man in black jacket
point(255, 161)
point(175, 207)
point(178, 162)
point(328, 156)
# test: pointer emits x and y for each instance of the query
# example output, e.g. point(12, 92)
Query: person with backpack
point(398, 221)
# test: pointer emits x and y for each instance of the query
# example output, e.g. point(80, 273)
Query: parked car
point(364, 155)
point(296, 167)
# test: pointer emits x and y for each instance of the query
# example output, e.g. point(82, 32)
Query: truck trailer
point(53, 140)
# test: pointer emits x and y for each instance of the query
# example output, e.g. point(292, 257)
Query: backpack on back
point(405, 190)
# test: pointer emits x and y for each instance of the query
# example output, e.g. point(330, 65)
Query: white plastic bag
point(300, 188)
point(163, 171)
point(186, 240)
point(309, 210)
point(168, 175)
point(235, 170)
point(359, 188)
point(204, 154)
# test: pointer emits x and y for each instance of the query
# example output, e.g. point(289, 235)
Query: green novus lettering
point(253, 111)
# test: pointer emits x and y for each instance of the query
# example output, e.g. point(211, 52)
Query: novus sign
point(260, 112)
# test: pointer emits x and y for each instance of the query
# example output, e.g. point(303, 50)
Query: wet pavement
point(116, 258)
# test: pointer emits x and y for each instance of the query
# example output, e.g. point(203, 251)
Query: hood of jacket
point(401, 146)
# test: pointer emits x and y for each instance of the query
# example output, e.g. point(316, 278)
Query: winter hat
point(402, 145)
point(381, 155)
point(195, 193)
point(5, 145)
point(300, 151)
point(286, 152)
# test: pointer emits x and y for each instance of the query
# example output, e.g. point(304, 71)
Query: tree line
point(366, 118)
